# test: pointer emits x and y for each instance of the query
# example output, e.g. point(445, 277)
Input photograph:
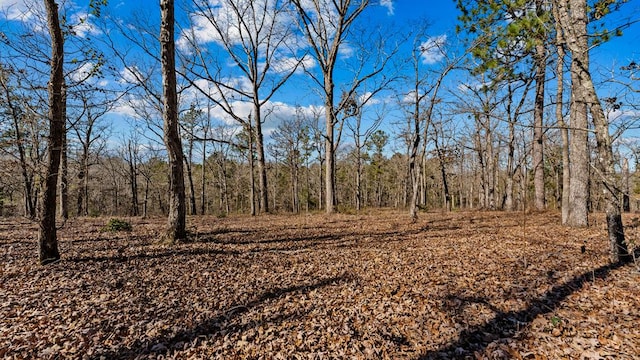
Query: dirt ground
point(461, 285)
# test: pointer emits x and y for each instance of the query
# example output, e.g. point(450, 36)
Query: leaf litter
point(462, 285)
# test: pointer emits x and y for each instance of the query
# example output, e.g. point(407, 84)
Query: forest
point(318, 179)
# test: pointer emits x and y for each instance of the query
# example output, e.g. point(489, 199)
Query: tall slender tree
point(176, 225)
point(327, 26)
point(47, 232)
point(259, 40)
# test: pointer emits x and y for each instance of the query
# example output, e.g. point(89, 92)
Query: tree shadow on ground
point(151, 255)
point(222, 323)
point(506, 324)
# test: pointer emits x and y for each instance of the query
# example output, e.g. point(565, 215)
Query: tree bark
point(176, 225)
point(574, 25)
point(47, 232)
point(133, 179)
point(579, 151)
point(538, 134)
point(64, 164)
point(192, 188)
point(626, 188)
point(564, 131)
point(262, 162)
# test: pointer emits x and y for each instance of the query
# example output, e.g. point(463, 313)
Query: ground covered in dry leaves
point(468, 285)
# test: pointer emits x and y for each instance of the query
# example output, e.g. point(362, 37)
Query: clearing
point(455, 285)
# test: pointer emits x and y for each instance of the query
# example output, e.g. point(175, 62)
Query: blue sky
point(441, 15)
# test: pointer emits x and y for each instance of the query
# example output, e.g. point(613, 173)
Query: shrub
point(117, 225)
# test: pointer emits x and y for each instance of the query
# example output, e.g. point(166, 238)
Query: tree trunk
point(262, 162)
point(606, 165)
point(537, 149)
point(413, 159)
point(133, 180)
point(443, 174)
point(564, 131)
point(579, 160)
point(145, 201)
point(538, 134)
point(203, 179)
point(252, 180)
point(47, 232)
point(626, 188)
point(192, 188)
point(176, 225)
point(330, 174)
point(511, 171)
point(64, 164)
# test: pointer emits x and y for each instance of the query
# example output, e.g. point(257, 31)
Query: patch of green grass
point(115, 225)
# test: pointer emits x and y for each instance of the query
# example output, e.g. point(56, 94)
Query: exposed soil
point(468, 285)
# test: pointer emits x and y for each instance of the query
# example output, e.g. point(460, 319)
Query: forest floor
point(461, 285)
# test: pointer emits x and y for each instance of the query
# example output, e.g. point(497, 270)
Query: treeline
point(130, 179)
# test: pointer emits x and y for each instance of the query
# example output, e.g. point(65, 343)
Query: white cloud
point(131, 75)
point(15, 10)
point(619, 114)
point(368, 97)
point(83, 72)
point(232, 28)
point(410, 97)
point(346, 51)
point(286, 64)
point(82, 25)
point(432, 50)
point(126, 107)
point(389, 5)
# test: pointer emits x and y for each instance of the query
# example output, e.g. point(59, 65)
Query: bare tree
point(328, 25)
point(361, 135)
point(289, 139)
point(10, 101)
point(421, 100)
point(89, 133)
point(258, 39)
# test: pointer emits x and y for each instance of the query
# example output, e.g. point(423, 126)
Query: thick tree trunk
point(47, 232)
point(176, 225)
point(580, 159)
point(573, 19)
point(564, 131)
point(570, 13)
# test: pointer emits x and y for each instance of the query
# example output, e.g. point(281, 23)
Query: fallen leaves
point(452, 286)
